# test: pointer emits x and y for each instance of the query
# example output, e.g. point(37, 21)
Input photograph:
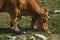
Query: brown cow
point(36, 11)
point(27, 8)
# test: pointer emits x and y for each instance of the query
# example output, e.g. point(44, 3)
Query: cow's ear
point(46, 13)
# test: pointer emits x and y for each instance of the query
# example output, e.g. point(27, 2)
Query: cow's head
point(42, 21)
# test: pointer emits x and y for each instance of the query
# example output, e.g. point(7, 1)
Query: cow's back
point(7, 5)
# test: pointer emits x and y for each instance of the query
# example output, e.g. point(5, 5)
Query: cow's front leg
point(15, 26)
point(14, 21)
point(34, 18)
point(32, 24)
point(11, 23)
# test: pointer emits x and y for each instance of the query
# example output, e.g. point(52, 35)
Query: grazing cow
point(36, 11)
point(18, 8)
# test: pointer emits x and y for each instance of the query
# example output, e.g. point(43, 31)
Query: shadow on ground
point(5, 31)
point(8, 30)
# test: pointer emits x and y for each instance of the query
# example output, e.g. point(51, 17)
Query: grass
point(55, 24)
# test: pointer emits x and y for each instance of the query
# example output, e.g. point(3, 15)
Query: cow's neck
point(35, 5)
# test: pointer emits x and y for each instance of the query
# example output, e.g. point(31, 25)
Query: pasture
point(54, 21)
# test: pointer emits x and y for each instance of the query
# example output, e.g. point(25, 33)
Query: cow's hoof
point(19, 32)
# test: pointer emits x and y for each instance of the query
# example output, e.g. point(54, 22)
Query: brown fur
point(27, 8)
